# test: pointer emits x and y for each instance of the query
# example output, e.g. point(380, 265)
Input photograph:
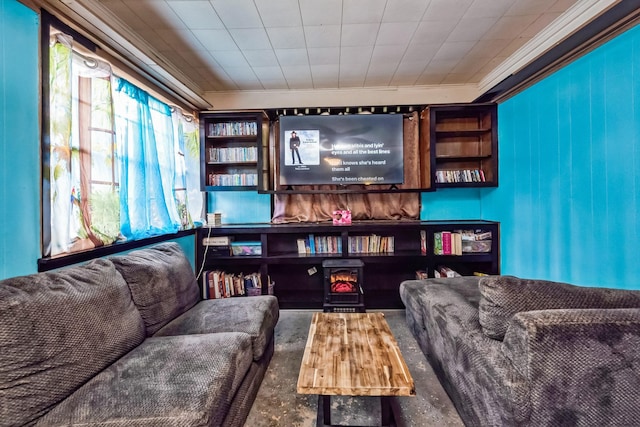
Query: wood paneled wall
point(569, 195)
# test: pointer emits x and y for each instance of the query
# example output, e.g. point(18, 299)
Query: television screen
point(341, 150)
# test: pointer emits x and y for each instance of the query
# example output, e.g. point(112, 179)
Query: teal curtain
point(144, 135)
point(123, 165)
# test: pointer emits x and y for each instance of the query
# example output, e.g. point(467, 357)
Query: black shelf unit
point(461, 139)
point(299, 277)
point(231, 150)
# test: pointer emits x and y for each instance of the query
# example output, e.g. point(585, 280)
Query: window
point(119, 164)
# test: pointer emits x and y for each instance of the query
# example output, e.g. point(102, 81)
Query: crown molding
point(116, 39)
point(576, 17)
point(342, 97)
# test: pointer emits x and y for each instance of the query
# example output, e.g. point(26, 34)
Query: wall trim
point(342, 97)
point(576, 17)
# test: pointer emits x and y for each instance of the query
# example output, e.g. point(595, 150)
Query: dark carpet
point(278, 404)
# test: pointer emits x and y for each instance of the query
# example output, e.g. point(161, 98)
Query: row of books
point(319, 245)
point(461, 241)
point(218, 245)
point(233, 154)
point(226, 180)
point(232, 129)
point(462, 175)
point(371, 244)
point(443, 271)
point(219, 284)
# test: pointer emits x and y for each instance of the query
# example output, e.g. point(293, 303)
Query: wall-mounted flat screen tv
point(341, 150)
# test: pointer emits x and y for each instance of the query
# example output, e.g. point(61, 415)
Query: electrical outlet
point(311, 271)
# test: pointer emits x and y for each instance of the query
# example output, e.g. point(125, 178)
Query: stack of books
point(218, 246)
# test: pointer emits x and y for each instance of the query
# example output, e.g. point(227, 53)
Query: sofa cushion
point(162, 283)
point(166, 381)
point(256, 316)
point(504, 296)
point(57, 331)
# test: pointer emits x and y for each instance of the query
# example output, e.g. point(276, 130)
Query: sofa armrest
point(576, 366)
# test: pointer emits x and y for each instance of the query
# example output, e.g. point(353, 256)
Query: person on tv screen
point(294, 143)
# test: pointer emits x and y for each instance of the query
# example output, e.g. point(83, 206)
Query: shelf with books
point(466, 249)
point(371, 244)
point(298, 274)
point(231, 150)
point(463, 143)
point(216, 284)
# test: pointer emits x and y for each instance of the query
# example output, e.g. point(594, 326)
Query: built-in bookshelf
point(391, 251)
point(462, 144)
point(231, 145)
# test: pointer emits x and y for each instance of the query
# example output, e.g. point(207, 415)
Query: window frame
point(47, 22)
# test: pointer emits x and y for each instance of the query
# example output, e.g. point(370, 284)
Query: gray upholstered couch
point(125, 341)
point(516, 352)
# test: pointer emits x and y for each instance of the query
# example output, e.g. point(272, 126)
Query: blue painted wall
point(20, 176)
point(569, 167)
point(19, 140)
point(570, 172)
point(240, 207)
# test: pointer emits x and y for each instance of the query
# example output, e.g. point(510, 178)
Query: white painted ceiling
point(223, 45)
point(239, 50)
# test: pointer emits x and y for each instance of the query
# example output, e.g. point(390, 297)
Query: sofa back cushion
point(57, 331)
point(162, 283)
point(504, 296)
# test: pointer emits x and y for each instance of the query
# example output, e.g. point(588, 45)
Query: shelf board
point(299, 258)
point(231, 188)
point(242, 137)
point(248, 162)
point(465, 184)
point(295, 258)
point(462, 158)
point(466, 258)
point(345, 191)
point(462, 132)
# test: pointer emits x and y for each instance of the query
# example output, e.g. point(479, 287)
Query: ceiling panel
point(307, 44)
point(197, 15)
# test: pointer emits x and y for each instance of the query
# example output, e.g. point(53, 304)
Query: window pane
point(102, 161)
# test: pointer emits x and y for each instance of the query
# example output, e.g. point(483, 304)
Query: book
point(205, 285)
point(219, 250)
point(312, 244)
point(423, 242)
point(437, 243)
point(444, 271)
point(302, 247)
point(456, 244)
point(446, 243)
point(217, 241)
point(421, 274)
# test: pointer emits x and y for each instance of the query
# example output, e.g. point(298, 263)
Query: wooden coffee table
point(353, 354)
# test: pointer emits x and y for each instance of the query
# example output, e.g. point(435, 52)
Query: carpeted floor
point(278, 404)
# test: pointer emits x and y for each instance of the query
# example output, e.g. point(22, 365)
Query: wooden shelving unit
point(462, 144)
point(299, 277)
point(231, 150)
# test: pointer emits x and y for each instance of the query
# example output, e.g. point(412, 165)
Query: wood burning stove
point(343, 285)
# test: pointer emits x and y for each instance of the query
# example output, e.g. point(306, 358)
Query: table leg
point(324, 411)
point(386, 411)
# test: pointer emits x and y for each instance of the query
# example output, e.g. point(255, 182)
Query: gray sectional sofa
point(518, 352)
point(126, 341)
